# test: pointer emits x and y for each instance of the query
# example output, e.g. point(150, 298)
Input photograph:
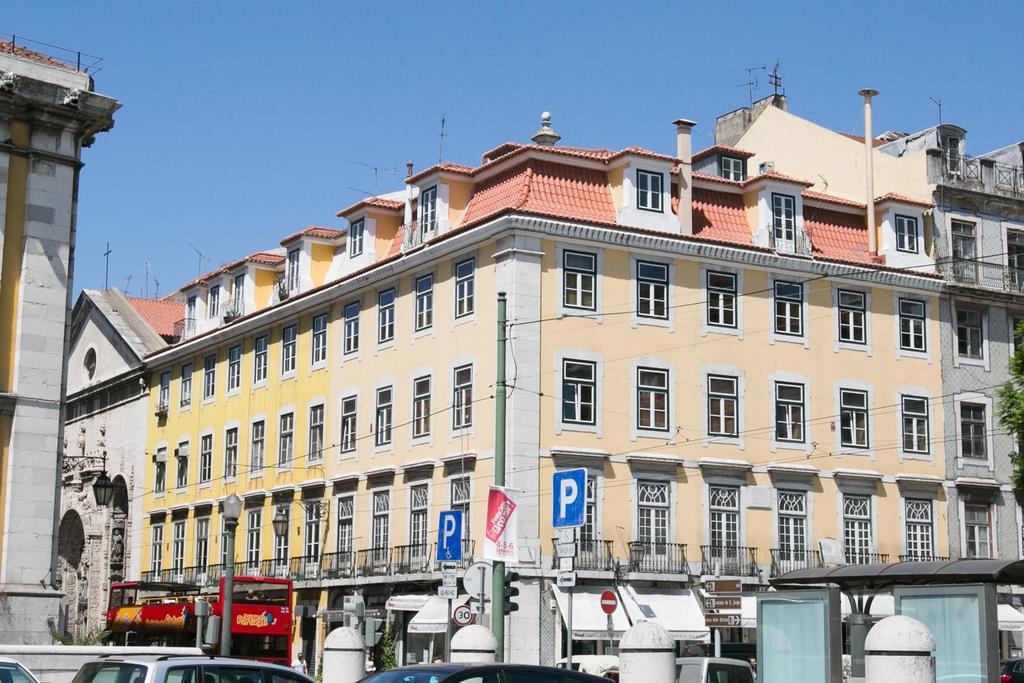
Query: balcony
point(658, 558)
point(184, 329)
point(974, 273)
point(276, 568)
point(728, 560)
point(592, 554)
point(979, 174)
point(923, 558)
point(193, 576)
point(248, 568)
point(373, 562)
point(304, 568)
point(785, 560)
point(340, 565)
point(411, 559)
point(858, 557)
point(799, 245)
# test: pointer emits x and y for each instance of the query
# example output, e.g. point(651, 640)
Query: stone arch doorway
point(72, 572)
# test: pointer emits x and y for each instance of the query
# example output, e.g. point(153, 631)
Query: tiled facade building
point(715, 343)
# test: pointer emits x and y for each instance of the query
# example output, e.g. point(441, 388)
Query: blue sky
point(240, 119)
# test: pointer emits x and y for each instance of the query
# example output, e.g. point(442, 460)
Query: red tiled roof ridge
point(10, 48)
point(895, 197)
point(832, 199)
point(711, 177)
point(160, 314)
point(448, 166)
point(375, 201)
point(717, 149)
point(769, 175)
point(860, 138)
point(318, 231)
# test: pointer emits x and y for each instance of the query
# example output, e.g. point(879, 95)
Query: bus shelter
point(967, 585)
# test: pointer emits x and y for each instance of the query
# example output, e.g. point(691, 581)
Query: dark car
point(480, 673)
point(1011, 671)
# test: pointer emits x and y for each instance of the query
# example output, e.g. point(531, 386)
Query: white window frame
point(205, 459)
point(465, 288)
point(356, 232)
point(791, 304)
point(728, 371)
point(210, 377)
point(716, 400)
point(351, 324)
point(580, 355)
point(349, 439)
point(315, 440)
point(988, 404)
point(856, 541)
point(185, 388)
point(991, 540)
point(202, 553)
point(292, 277)
point(649, 299)
point(345, 519)
point(260, 359)
point(318, 332)
point(231, 452)
point(213, 302)
point(984, 314)
point(386, 316)
point(732, 168)
point(384, 417)
point(912, 548)
point(649, 197)
point(667, 370)
point(907, 241)
point(427, 205)
point(289, 350)
point(923, 320)
point(460, 405)
point(421, 407)
point(915, 416)
point(256, 466)
point(579, 290)
point(234, 369)
point(156, 548)
point(423, 313)
point(285, 449)
point(708, 328)
point(580, 384)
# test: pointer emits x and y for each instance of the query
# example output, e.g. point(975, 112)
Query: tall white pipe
point(869, 170)
point(684, 152)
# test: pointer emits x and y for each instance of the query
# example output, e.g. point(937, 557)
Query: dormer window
point(906, 234)
point(649, 187)
point(783, 221)
point(951, 152)
point(292, 274)
point(355, 238)
point(732, 168)
point(428, 209)
point(213, 302)
point(238, 293)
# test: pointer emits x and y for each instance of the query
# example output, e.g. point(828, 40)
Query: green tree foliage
point(1011, 409)
point(384, 651)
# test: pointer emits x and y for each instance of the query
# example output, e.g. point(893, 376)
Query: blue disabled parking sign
point(569, 498)
point(449, 536)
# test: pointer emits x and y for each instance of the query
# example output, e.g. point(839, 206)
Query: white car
point(11, 671)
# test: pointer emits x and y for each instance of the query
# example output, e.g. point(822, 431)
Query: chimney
point(408, 169)
point(869, 171)
point(545, 135)
point(684, 152)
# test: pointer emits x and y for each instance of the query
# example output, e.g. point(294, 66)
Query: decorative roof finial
point(545, 135)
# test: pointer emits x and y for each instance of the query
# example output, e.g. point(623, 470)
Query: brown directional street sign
point(722, 620)
point(722, 586)
point(720, 602)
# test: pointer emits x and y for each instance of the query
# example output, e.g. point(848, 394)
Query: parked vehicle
point(1011, 671)
point(714, 670)
point(605, 666)
point(185, 669)
point(11, 671)
point(479, 673)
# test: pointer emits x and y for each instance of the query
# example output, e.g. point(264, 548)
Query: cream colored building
point(741, 381)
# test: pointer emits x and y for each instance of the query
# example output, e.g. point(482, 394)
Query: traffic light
point(373, 629)
point(511, 591)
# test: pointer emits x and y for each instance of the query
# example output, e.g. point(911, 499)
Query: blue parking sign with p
point(449, 536)
point(569, 498)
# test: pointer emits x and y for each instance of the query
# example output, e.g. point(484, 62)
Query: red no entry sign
point(609, 602)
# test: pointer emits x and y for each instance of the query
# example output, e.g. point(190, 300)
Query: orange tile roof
point(722, 149)
point(712, 178)
point(316, 231)
point(395, 248)
point(832, 199)
point(509, 149)
point(372, 202)
point(161, 314)
point(720, 216)
point(775, 175)
point(7, 47)
point(860, 138)
point(444, 166)
point(265, 258)
point(837, 235)
point(544, 188)
point(893, 197)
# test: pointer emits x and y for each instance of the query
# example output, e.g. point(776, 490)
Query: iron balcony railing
point(592, 554)
point(787, 560)
point(195, 575)
point(184, 328)
point(276, 568)
point(972, 272)
point(658, 558)
point(800, 244)
point(339, 565)
point(728, 560)
point(411, 559)
point(373, 562)
point(923, 558)
point(304, 568)
point(972, 170)
point(467, 554)
point(246, 568)
point(861, 557)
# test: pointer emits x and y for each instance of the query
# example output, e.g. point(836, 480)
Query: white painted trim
point(635, 319)
point(741, 411)
point(986, 357)
point(597, 252)
point(773, 336)
point(853, 385)
point(929, 341)
point(933, 420)
point(974, 397)
point(673, 422)
point(837, 344)
point(807, 446)
point(705, 328)
point(598, 360)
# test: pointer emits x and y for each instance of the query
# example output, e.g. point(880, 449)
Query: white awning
point(434, 616)
point(407, 603)
point(1010, 619)
point(674, 609)
point(589, 622)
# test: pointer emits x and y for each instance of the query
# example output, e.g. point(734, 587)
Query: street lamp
point(280, 522)
point(232, 510)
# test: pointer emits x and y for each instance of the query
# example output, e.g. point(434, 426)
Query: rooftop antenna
point(202, 257)
point(775, 78)
point(356, 189)
point(156, 294)
point(376, 170)
point(146, 268)
point(127, 285)
point(106, 276)
point(751, 81)
point(938, 103)
point(440, 145)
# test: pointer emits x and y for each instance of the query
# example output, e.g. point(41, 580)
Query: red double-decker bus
point(164, 613)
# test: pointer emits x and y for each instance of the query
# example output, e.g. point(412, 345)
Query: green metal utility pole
point(498, 582)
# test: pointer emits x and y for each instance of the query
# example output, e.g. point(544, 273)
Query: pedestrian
point(753, 666)
point(299, 664)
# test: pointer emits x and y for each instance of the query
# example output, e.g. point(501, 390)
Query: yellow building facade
point(748, 389)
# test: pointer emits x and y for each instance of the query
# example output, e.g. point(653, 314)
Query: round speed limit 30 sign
point(462, 616)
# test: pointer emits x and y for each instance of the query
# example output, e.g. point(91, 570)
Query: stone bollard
point(647, 654)
point(344, 656)
point(899, 649)
point(474, 645)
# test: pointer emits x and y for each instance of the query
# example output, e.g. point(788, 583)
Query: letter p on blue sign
point(449, 536)
point(569, 499)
